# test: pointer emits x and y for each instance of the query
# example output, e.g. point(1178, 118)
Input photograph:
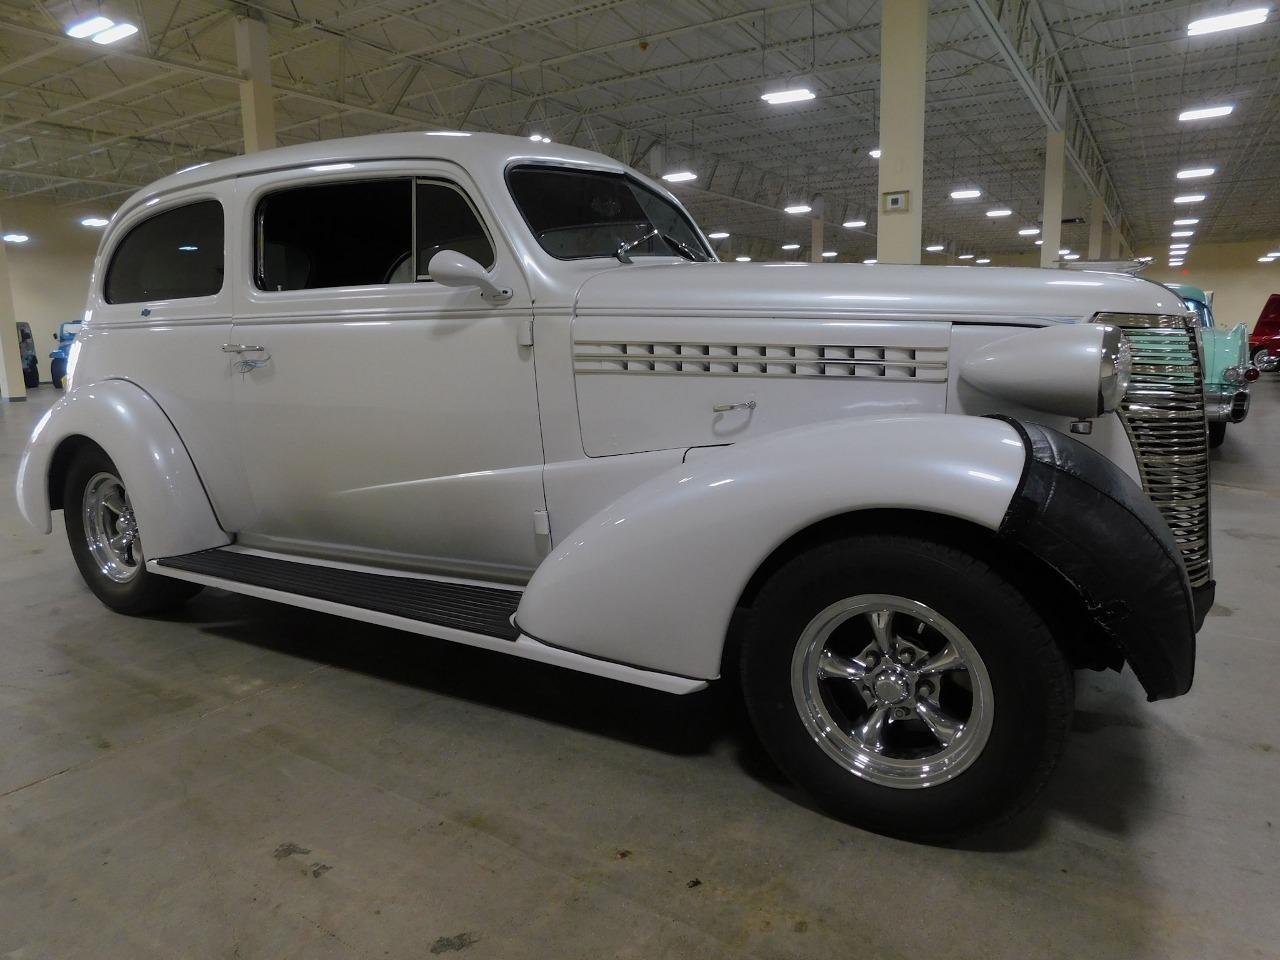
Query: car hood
point(961, 294)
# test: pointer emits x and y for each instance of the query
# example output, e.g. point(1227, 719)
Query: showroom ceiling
point(666, 86)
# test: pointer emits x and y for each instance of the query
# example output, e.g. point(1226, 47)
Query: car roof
point(471, 149)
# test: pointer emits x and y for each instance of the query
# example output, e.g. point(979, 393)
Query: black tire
point(1260, 352)
point(1217, 433)
point(143, 592)
point(1031, 683)
point(57, 370)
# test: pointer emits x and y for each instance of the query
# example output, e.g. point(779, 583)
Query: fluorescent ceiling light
point(1183, 233)
point(188, 248)
point(1028, 231)
point(1064, 251)
point(87, 28)
point(1039, 243)
point(1186, 222)
point(1205, 113)
point(1189, 198)
point(1071, 256)
point(966, 256)
point(16, 238)
point(112, 34)
point(718, 235)
point(1175, 263)
point(874, 154)
point(983, 260)
point(998, 212)
point(854, 224)
point(1228, 21)
point(830, 253)
point(1274, 253)
point(935, 248)
point(1266, 259)
point(680, 176)
point(743, 259)
point(1195, 173)
point(93, 222)
point(788, 96)
point(871, 261)
point(798, 208)
point(965, 194)
point(791, 246)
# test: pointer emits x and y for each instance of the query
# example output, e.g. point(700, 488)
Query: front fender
point(173, 510)
point(653, 579)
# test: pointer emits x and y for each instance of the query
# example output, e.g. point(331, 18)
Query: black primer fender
point(1087, 519)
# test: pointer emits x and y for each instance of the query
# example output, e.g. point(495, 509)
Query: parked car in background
point(27, 356)
point(899, 505)
point(1227, 368)
point(65, 336)
point(1264, 340)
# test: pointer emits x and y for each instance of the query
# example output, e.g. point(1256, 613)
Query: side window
point(173, 255)
point(447, 221)
point(356, 233)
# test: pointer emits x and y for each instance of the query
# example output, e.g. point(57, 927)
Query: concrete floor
point(253, 781)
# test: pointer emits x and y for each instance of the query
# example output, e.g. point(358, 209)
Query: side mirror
point(455, 269)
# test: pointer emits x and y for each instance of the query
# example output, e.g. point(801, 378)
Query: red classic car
point(1264, 341)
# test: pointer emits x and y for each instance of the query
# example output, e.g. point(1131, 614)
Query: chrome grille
point(1163, 413)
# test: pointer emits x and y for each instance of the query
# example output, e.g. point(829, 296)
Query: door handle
point(242, 348)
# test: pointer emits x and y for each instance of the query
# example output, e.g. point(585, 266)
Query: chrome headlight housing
point(1115, 367)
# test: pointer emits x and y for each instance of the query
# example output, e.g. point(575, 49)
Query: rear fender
point(653, 579)
point(168, 497)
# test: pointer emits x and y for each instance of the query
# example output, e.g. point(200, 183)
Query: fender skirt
point(1078, 512)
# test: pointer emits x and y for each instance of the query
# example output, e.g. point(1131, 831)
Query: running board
point(464, 611)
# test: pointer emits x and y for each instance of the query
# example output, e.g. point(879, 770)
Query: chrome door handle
point(242, 348)
point(726, 407)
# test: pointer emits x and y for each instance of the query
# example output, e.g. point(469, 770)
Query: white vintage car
point(503, 393)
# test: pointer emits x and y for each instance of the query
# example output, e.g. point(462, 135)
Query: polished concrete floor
point(256, 781)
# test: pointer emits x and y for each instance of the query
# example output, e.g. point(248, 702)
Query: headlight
point(1078, 370)
point(1115, 369)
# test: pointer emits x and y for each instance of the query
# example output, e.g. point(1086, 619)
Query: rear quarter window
point(176, 254)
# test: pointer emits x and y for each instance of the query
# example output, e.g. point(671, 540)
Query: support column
point(257, 113)
point(1113, 244)
point(11, 383)
point(1097, 218)
point(904, 43)
point(1055, 157)
point(817, 239)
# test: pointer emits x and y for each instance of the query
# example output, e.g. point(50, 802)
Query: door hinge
point(524, 333)
point(541, 523)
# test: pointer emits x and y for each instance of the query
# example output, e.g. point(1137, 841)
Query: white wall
point(50, 272)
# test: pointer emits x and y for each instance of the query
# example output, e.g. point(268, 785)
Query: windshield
point(1201, 310)
point(589, 213)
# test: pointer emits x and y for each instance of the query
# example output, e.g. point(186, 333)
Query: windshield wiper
point(628, 245)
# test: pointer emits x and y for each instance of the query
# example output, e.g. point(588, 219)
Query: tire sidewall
point(1029, 680)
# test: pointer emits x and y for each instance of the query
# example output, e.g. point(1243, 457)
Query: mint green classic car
point(1227, 369)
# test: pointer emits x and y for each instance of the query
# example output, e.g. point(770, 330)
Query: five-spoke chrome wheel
point(110, 528)
point(892, 690)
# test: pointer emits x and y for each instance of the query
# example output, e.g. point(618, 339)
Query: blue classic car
point(65, 336)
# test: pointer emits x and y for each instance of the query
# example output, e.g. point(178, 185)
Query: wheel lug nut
point(906, 656)
point(900, 713)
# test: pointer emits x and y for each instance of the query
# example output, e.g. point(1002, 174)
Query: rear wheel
point(106, 542)
point(909, 687)
point(57, 370)
point(1217, 433)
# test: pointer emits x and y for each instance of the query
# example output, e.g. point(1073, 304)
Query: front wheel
point(107, 543)
point(57, 370)
point(908, 686)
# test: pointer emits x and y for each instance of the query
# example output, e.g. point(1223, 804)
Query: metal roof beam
point(1024, 40)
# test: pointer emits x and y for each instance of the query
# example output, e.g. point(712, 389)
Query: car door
point(386, 418)
point(159, 313)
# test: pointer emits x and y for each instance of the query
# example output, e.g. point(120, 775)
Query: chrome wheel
point(110, 528)
point(892, 691)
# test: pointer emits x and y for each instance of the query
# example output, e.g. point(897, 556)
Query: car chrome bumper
point(1226, 406)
